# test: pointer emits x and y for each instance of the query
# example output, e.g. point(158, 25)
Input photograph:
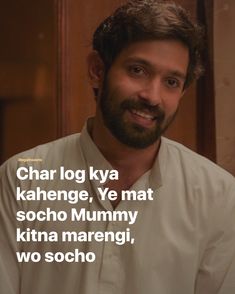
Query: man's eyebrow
point(144, 62)
point(178, 74)
point(139, 60)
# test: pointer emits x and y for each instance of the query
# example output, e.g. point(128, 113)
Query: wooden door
point(27, 75)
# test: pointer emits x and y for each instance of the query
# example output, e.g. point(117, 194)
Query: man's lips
point(143, 114)
point(142, 118)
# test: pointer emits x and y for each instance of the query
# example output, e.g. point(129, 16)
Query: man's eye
point(172, 83)
point(137, 70)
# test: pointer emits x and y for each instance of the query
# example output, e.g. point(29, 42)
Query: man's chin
point(138, 137)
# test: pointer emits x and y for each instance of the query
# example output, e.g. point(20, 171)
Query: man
point(183, 234)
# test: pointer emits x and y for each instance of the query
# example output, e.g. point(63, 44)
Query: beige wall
point(224, 46)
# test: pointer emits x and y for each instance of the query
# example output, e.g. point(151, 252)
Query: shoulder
point(46, 154)
point(195, 167)
point(207, 186)
point(53, 148)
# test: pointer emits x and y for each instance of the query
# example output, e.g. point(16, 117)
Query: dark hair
point(141, 20)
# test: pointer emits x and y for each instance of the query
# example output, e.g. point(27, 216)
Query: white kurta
point(184, 237)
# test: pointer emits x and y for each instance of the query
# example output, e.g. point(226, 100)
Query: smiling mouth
point(143, 114)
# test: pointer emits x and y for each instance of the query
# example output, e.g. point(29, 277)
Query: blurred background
point(44, 90)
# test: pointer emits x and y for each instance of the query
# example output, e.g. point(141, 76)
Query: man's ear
point(95, 69)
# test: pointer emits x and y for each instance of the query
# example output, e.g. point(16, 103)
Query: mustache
point(154, 110)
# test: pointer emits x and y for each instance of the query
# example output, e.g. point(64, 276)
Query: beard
point(127, 132)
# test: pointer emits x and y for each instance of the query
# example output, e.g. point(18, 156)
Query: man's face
point(142, 90)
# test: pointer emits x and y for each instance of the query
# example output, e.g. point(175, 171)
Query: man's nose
point(152, 92)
